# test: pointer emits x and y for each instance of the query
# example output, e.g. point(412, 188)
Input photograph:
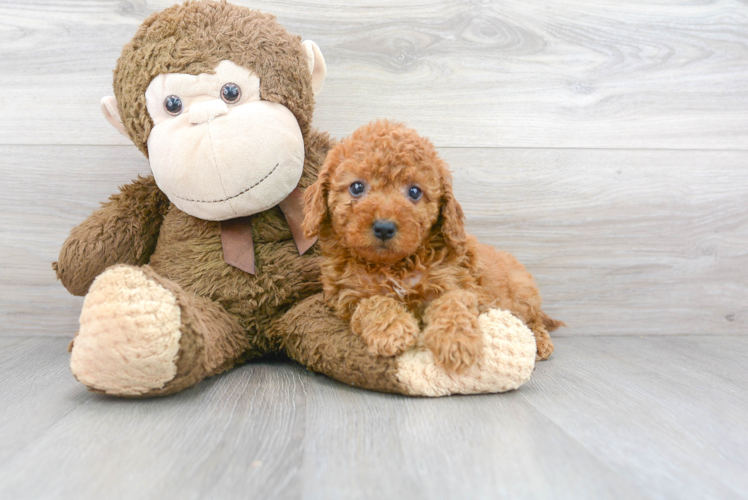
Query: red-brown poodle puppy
point(397, 260)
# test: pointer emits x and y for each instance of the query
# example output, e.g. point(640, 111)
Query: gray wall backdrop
point(603, 143)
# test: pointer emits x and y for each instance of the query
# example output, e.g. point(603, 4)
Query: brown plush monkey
point(202, 266)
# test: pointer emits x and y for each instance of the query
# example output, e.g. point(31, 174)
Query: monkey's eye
point(356, 189)
point(415, 193)
point(173, 105)
point(231, 92)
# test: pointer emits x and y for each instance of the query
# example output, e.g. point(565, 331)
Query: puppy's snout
point(384, 229)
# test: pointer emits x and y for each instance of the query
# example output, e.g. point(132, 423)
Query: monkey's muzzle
point(218, 162)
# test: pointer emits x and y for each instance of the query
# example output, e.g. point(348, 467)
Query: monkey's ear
point(111, 113)
point(316, 64)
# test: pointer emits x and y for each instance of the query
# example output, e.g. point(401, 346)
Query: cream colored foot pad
point(129, 334)
point(507, 362)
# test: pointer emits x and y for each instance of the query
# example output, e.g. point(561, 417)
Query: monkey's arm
point(123, 231)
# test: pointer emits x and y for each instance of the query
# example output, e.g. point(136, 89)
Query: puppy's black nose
point(384, 229)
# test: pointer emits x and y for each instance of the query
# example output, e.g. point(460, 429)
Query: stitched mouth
point(233, 196)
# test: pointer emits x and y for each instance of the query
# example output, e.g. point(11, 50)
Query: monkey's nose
point(207, 110)
point(384, 229)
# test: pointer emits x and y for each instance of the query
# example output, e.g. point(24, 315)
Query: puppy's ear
point(453, 218)
point(315, 200)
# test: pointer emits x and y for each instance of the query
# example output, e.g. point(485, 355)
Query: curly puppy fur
point(430, 277)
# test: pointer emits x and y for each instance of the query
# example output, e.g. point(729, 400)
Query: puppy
point(397, 261)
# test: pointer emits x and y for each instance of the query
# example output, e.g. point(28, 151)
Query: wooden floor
point(603, 143)
point(606, 417)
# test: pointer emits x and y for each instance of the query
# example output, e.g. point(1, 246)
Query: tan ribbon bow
point(236, 234)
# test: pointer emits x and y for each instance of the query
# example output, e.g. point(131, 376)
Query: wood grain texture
point(622, 417)
point(376, 446)
point(46, 191)
point(627, 400)
point(621, 242)
point(557, 73)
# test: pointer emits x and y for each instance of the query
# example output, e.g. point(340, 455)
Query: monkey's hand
point(123, 231)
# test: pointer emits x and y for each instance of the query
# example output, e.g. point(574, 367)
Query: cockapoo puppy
point(397, 261)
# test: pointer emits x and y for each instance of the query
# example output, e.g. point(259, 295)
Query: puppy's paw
point(456, 345)
point(390, 338)
point(544, 345)
point(459, 353)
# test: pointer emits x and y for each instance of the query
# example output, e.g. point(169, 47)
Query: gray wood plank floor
point(606, 417)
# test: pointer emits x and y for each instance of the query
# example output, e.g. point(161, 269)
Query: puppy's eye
point(231, 92)
point(356, 189)
point(415, 193)
point(173, 105)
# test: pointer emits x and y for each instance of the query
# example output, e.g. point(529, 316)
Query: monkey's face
point(218, 151)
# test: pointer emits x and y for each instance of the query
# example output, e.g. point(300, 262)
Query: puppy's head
point(382, 193)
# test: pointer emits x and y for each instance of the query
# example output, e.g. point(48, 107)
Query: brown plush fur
point(318, 339)
point(124, 230)
point(430, 275)
point(228, 316)
point(193, 38)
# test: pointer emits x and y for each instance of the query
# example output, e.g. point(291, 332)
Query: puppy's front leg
point(452, 331)
point(385, 325)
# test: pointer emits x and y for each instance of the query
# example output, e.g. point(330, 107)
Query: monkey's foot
point(129, 335)
point(506, 362)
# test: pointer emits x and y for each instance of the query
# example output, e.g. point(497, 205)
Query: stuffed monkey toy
point(202, 265)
